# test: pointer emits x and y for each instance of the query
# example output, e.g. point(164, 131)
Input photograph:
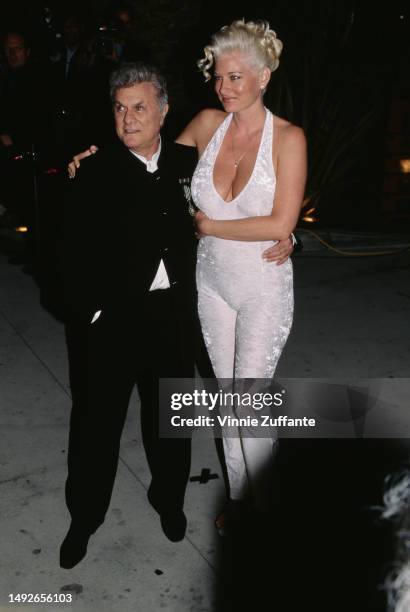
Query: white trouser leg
point(218, 322)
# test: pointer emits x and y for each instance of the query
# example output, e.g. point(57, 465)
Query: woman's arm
point(290, 188)
point(76, 161)
point(201, 128)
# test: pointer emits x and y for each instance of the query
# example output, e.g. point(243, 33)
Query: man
point(129, 260)
point(24, 134)
point(21, 125)
point(128, 44)
point(69, 70)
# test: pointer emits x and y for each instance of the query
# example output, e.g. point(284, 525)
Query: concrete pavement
point(351, 319)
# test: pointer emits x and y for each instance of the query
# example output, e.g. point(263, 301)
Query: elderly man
point(129, 262)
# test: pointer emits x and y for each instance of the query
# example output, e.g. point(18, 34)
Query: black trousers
point(124, 349)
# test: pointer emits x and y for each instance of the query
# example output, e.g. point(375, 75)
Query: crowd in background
point(54, 101)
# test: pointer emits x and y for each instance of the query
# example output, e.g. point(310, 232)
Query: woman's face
point(238, 84)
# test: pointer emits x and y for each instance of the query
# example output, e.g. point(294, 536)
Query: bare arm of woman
point(290, 187)
point(201, 128)
point(76, 161)
point(196, 134)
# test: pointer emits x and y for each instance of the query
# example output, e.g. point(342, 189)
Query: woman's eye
point(235, 77)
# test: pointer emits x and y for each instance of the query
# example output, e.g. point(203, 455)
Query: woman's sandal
point(230, 518)
point(220, 524)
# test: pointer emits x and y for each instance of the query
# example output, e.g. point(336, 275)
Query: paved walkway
point(351, 319)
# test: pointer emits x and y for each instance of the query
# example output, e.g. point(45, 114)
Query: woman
point(249, 185)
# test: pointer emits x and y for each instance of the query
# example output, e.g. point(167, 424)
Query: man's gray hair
point(133, 73)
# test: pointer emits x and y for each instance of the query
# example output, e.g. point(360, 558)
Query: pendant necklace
point(236, 162)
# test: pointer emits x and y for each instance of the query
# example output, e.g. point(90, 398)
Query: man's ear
point(164, 113)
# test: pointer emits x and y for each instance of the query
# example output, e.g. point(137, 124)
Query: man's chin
point(131, 141)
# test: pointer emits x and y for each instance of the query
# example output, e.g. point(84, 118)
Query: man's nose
point(128, 117)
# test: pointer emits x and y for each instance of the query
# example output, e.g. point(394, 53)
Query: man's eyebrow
point(138, 103)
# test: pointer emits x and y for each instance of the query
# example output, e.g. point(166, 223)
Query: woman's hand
point(280, 252)
point(202, 224)
point(75, 163)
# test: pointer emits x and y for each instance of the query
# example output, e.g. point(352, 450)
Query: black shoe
point(173, 522)
point(174, 525)
point(153, 499)
point(74, 546)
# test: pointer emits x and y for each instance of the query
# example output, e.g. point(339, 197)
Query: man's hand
point(280, 252)
point(201, 222)
point(75, 162)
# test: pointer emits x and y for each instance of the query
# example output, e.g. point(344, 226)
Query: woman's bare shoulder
point(287, 134)
point(211, 117)
point(286, 130)
point(201, 127)
point(206, 123)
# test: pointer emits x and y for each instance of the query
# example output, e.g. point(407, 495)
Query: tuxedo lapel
point(168, 163)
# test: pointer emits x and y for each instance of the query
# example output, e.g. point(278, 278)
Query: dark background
point(343, 75)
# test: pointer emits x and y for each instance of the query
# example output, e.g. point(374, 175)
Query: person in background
point(24, 133)
point(69, 72)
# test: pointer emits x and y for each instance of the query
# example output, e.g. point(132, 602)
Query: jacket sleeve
point(81, 253)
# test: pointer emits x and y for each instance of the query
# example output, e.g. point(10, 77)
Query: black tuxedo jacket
point(120, 220)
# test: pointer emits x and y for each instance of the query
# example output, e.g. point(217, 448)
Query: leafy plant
point(339, 105)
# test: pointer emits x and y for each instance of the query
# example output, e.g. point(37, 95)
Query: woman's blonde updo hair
point(252, 38)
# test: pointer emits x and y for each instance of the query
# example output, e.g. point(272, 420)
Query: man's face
point(138, 118)
point(15, 51)
point(123, 19)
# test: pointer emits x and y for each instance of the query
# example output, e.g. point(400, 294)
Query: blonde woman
point(249, 185)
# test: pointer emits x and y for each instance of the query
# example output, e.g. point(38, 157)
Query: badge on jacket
point(186, 185)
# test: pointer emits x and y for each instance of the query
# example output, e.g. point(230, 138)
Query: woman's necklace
point(240, 158)
point(237, 160)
